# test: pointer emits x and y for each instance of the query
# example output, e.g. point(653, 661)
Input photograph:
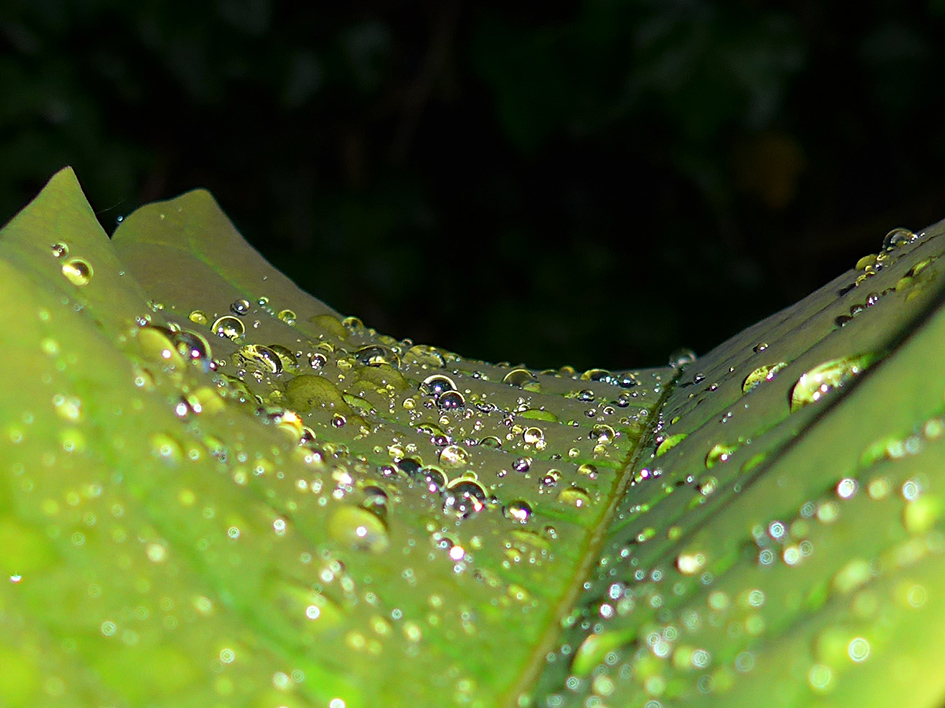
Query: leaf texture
point(221, 492)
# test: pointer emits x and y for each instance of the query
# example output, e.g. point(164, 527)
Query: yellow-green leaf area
point(219, 491)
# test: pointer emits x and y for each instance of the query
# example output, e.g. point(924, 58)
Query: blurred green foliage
point(510, 181)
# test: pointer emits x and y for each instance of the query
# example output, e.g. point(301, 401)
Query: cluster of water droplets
point(665, 615)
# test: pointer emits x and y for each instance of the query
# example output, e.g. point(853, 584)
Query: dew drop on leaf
point(896, 238)
point(77, 271)
point(574, 496)
point(517, 510)
point(239, 307)
point(519, 378)
point(464, 498)
point(229, 327)
point(287, 316)
point(822, 379)
point(760, 375)
point(451, 401)
point(358, 528)
point(437, 385)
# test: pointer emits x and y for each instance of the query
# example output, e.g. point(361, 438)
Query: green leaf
point(219, 492)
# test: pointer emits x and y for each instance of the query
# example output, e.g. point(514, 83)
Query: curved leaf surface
point(220, 492)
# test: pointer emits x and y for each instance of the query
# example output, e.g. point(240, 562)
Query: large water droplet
point(451, 401)
point(77, 271)
point(574, 496)
point(898, 237)
point(453, 457)
point(377, 355)
point(519, 378)
point(437, 385)
point(262, 358)
point(358, 528)
point(229, 327)
point(465, 497)
point(517, 510)
point(287, 316)
point(822, 379)
point(240, 307)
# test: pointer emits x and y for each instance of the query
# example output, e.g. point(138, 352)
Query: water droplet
point(533, 436)
point(377, 355)
point(826, 377)
point(287, 316)
point(358, 528)
point(240, 307)
point(522, 464)
point(519, 378)
point(898, 237)
point(669, 443)
point(453, 457)
point(309, 391)
point(451, 401)
point(375, 500)
point(690, 563)
point(464, 498)
point(199, 317)
point(517, 510)
point(574, 496)
point(229, 327)
point(424, 356)
point(157, 345)
point(719, 453)
point(166, 448)
point(60, 250)
point(261, 357)
point(437, 385)
point(601, 375)
point(550, 478)
point(681, 357)
point(77, 271)
point(760, 375)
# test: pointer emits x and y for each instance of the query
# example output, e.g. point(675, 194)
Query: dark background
point(591, 183)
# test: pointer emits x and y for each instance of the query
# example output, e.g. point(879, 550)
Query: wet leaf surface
point(222, 492)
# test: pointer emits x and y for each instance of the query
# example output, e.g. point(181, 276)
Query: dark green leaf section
point(219, 493)
point(782, 543)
